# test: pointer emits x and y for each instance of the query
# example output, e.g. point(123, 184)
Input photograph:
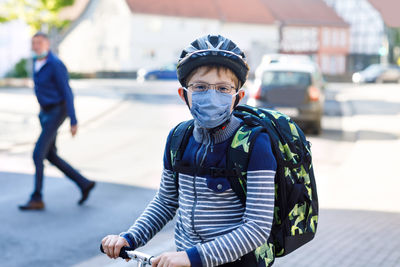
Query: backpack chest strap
point(214, 172)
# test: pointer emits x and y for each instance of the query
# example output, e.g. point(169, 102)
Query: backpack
point(296, 201)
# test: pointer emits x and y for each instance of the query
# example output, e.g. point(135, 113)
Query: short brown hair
point(41, 34)
point(207, 68)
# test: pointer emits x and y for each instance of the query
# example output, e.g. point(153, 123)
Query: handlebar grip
point(122, 253)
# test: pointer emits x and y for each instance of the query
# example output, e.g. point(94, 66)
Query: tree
point(38, 14)
point(394, 45)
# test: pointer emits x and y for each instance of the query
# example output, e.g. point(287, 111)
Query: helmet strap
point(237, 98)
point(186, 98)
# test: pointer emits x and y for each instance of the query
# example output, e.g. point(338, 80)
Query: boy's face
point(212, 77)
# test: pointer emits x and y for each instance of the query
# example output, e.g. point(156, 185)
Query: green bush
point(76, 75)
point(19, 70)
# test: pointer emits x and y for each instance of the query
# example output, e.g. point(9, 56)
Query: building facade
point(312, 28)
point(132, 34)
point(367, 34)
point(128, 35)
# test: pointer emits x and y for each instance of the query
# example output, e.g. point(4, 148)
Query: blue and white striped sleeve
point(158, 213)
point(258, 215)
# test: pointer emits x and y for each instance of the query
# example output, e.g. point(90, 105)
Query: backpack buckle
point(237, 172)
point(216, 172)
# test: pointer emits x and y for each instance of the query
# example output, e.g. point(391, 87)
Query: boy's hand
point(112, 245)
point(172, 259)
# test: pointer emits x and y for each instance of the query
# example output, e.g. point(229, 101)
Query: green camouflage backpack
point(296, 202)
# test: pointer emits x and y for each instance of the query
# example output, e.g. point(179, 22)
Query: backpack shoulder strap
point(179, 140)
point(238, 157)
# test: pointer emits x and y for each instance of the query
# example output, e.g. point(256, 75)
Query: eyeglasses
point(224, 88)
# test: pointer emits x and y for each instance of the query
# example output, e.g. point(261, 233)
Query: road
point(123, 127)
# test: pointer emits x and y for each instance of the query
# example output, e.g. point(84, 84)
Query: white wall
point(297, 39)
point(255, 40)
point(110, 37)
point(15, 44)
point(159, 40)
point(101, 40)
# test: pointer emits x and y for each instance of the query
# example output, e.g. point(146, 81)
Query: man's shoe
point(32, 205)
point(85, 193)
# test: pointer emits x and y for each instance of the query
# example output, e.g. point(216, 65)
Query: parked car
point(295, 89)
point(378, 73)
point(166, 72)
point(282, 58)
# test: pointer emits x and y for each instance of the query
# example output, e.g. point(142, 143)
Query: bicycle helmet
point(212, 50)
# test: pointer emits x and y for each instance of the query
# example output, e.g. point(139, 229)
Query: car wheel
point(379, 80)
point(316, 128)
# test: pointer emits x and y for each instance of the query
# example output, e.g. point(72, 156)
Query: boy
point(213, 227)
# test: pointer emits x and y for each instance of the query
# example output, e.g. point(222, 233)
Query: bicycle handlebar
point(129, 253)
point(122, 253)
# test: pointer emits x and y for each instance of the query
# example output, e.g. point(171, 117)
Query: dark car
point(378, 73)
point(167, 72)
point(293, 89)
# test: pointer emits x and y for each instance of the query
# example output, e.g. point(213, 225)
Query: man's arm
point(61, 78)
point(258, 216)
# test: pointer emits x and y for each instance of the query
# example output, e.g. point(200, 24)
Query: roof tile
point(304, 12)
point(389, 10)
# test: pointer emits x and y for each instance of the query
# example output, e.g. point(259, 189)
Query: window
point(326, 38)
point(325, 63)
point(341, 64)
point(343, 38)
point(332, 65)
point(335, 37)
point(286, 78)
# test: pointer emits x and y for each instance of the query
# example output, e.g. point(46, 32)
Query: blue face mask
point(42, 55)
point(211, 108)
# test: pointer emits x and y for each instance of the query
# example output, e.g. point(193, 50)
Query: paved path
point(64, 234)
point(68, 235)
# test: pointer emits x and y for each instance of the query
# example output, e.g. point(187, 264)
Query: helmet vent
point(214, 39)
point(212, 50)
point(196, 45)
point(231, 47)
point(212, 47)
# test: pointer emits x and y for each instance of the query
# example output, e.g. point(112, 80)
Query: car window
point(286, 78)
point(373, 69)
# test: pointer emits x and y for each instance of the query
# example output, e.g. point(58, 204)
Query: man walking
point(56, 103)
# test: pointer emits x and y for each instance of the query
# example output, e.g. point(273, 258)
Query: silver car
point(295, 89)
point(378, 73)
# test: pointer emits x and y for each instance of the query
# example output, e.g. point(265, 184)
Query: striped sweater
point(212, 225)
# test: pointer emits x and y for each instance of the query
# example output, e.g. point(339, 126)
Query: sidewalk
point(344, 238)
point(68, 235)
point(19, 110)
point(65, 234)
